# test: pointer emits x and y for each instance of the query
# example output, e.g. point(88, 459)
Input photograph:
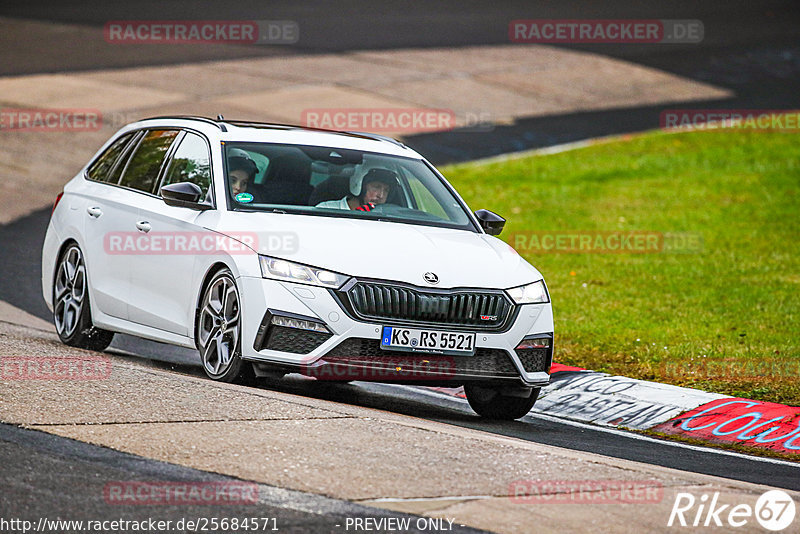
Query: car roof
point(248, 131)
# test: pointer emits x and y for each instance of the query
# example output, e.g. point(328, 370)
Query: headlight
point(296, 272)
point(529, 294)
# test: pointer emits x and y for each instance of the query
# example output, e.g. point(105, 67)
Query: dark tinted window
point(102, 167)
point(142, 170)
point(191, 163)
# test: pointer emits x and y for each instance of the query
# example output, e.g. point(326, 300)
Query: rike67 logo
point(774, 511)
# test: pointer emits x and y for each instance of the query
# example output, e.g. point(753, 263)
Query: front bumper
point(352, 349)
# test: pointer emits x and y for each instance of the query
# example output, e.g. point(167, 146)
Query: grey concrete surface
point(338, 450)
point(49, 478)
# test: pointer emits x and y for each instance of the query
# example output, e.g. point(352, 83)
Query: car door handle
point(94, 212)
point(143, 226)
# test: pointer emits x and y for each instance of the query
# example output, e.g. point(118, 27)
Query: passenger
point(374, 189)
point(241, 172)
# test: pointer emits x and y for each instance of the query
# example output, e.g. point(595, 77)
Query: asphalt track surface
point(50, 477)
point(749, 47)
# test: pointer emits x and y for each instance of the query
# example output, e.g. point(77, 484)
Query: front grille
point(535, 360)
point(368, 352)
point(481, 310)
point(293, 340)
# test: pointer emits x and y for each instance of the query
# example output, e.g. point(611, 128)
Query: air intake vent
point(466, 309)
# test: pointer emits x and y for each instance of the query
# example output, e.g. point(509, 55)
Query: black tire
point(492, 404)
point(218, 331)
point(72, 312)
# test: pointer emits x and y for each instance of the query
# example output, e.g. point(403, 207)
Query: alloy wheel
point(70, 291)
point(219, 325)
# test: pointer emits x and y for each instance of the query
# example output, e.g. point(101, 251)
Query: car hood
point(384, 250)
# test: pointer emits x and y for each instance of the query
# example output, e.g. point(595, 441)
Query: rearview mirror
point(491, 222)
point(184, 195)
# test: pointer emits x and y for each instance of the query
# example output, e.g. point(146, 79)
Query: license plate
point(428, 341)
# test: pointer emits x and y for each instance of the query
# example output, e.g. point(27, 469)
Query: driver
point(374, 189)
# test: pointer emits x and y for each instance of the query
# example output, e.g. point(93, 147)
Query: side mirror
point(184, 195)
point(491, 222)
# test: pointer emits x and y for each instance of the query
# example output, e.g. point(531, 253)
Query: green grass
point(725, 319)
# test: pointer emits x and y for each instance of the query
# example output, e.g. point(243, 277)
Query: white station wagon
point(278, 249)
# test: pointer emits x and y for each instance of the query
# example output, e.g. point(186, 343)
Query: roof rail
point(191, 117)
point(377, 137)
point(364, 135)
point(257, 124)
point(277, 125)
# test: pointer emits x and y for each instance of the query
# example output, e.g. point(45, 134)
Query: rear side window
point(191, 163)
point(103, 166)
point(142, 169)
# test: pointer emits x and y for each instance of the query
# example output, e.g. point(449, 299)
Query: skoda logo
point(431, 278)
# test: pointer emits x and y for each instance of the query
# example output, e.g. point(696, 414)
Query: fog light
point(302, 324)
point(536, 343)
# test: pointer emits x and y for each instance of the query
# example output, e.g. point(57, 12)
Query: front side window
point(101, 169)
point(142, 170)
point(338, 182)
point(191, 163)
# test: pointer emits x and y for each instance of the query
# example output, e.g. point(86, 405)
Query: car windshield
point(338, 182)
